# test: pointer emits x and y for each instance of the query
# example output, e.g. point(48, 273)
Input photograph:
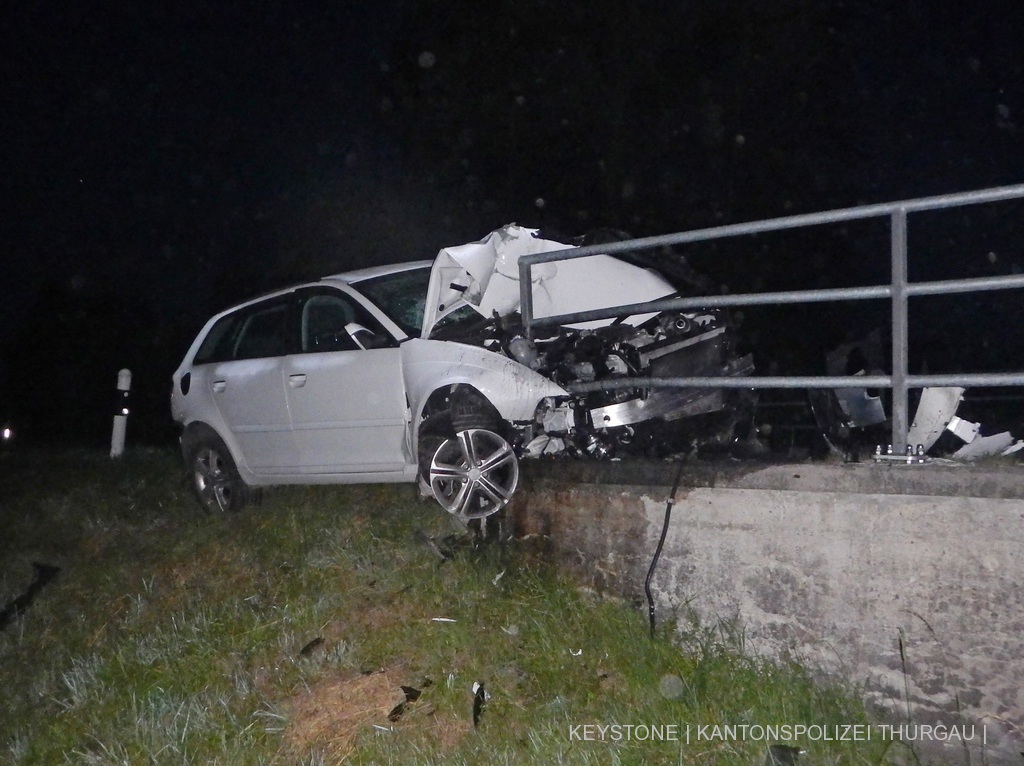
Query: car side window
point(324, 318)
point(263, 333)
point(259, 331)
point(327, 322)
point(219, 343)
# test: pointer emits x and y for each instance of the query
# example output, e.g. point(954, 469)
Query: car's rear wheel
point(213, 475)
point(474, 473)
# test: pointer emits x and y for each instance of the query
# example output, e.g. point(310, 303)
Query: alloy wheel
point(474, 474)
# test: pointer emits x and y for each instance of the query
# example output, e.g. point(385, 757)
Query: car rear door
point(247, 385)
point(347, 402)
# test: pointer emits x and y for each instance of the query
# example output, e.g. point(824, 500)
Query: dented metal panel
point(934, 413)
point(485, 276)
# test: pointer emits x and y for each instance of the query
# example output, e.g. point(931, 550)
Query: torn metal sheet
point(861, 409)
point(964, 430)
point(861, 357)
point(987, 446)
point(934, 413)
point(1017, 446)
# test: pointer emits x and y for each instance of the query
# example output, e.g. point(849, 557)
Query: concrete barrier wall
point(813, 566)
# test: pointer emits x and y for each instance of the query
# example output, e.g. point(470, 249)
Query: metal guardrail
point(897, 291)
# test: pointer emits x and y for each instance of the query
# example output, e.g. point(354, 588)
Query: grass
point(284, 635)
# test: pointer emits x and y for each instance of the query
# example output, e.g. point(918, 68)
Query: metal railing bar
point(867, 292)
point(838, 215)
point(807, 381)
point(971, 285)
point(717, 301)
point(968, 380)
point(781, 381)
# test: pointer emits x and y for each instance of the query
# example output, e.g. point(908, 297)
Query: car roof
point(347, 278)
point(351, 277)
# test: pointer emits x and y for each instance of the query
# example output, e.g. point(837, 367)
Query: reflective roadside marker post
point(124, 385)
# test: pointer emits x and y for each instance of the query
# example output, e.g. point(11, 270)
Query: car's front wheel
point(474, 473)
point(213, 475)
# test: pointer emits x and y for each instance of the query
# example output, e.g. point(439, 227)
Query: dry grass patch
point(332, 715)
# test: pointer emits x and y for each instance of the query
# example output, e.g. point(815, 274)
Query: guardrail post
point(124, 386)
point(526, 298)
point(900, 426)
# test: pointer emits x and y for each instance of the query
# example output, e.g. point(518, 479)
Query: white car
point(420, 371)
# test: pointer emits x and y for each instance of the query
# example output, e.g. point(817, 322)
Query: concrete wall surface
point(908, 595)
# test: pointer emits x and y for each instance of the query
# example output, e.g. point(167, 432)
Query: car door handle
point(297, 381)
point(219, 386)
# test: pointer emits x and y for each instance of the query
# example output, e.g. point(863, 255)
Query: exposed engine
point(647, 420)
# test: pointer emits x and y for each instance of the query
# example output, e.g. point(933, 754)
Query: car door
point(347, 401)
point(247, 385)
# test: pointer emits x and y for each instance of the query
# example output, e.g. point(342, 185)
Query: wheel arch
point(450, 407)
point(197, 433)
point(198, 429)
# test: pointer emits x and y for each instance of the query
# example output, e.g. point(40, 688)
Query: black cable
point(661, 542)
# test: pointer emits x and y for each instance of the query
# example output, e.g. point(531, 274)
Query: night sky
point(163, 162)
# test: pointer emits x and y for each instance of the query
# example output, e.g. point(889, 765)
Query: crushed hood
point(485, 276)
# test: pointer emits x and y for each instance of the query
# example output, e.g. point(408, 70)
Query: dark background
point(165, 161)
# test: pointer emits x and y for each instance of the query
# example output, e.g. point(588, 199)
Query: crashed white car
point(420, 371)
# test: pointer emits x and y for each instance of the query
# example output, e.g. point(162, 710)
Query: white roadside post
point(124, 385)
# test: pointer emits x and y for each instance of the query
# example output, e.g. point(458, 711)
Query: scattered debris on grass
point(44, 574)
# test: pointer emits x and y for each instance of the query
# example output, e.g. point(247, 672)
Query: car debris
point(848, 417)
point(989, 446)
point(965, 430)
point(861, 357)
point(44, 574)
point(312, 646)
point(480, 698)
point(936, 415)
point(935, 412)
point(411, 695)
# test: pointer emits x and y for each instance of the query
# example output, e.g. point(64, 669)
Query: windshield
point(401, 296)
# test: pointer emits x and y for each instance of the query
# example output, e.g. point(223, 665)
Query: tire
point(473, 474)
point(213, 475)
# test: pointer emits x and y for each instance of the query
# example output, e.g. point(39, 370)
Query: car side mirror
point(361, 336)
